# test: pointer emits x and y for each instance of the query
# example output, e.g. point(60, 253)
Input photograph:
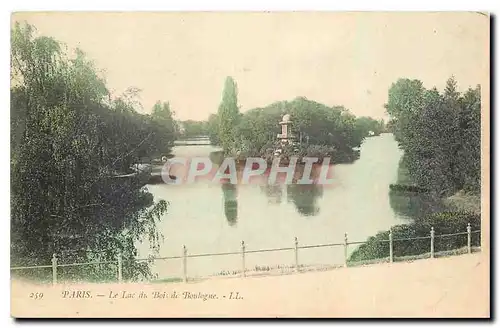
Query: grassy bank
point(444, 223)
point(425, 210)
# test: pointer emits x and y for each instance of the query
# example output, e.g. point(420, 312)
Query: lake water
point(214, 218)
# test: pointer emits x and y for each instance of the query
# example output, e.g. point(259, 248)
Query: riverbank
point(424, 210)
point(284, 154)
point(448, 287)
point(462, 201)
point(414, 202)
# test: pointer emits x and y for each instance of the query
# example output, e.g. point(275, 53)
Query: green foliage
point(405, 96)
point(304, 197)
point(258, 128)
point(377, 247)
point(230, 195)
point(323, 125)
point(229, 115)
point(411, 201)
point(165, 129)
point(72, 149)
point(254, 133)
point(316, 127)
point(406, 188)
point(194, 128)
point(365, 125)
point(439, 133)
point(213, 129)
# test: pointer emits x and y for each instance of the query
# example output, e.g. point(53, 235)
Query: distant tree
point(313, 125)
point(213, 129)
point(166, 129)
point(194, 128)
point(365, 125)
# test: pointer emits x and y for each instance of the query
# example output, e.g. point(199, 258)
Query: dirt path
point(447, 287)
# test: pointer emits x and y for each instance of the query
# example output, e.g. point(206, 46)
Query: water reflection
point(305, 197)
point(274, 192)
point(413, 205)
point(230, 194)
point(215, 218)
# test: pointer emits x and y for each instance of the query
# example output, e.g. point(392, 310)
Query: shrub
point(444, 223)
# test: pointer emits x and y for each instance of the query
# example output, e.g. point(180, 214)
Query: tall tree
point(73, 147)
point(229, 115)
point(470, 138)
point(166, 128)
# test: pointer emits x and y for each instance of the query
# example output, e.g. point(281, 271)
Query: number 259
point(36, 296)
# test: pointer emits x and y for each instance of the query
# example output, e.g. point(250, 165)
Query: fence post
point(184, 263)
point(469, 250)
point(54, 269)
point(391, 254)
point(432, 242)
point(345, 250)
point(296, 255)
point(243, 274)
point(119, 257)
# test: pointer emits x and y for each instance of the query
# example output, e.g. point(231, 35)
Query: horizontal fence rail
point(243, 251)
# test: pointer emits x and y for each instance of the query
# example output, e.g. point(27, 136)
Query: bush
point(407, 188)
point(377, 247)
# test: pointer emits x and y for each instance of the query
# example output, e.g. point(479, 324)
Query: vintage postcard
point(250, 164)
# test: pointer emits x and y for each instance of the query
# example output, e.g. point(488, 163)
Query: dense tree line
point(192, 128)
point(440, 134)
point(73, 192)
point(370, 127)
point(213, 129)
point(317, 128)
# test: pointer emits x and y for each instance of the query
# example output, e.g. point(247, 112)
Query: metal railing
point(243, 251)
